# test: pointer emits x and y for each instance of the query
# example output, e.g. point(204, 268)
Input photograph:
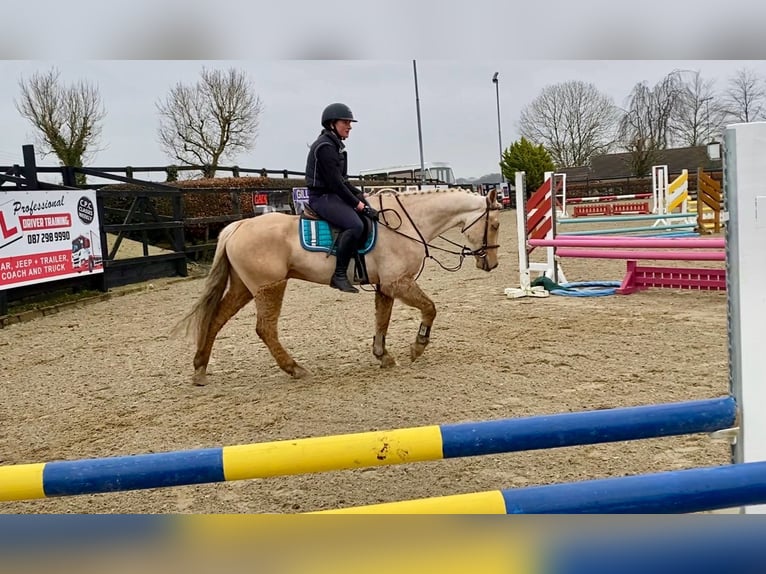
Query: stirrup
point(360, 269)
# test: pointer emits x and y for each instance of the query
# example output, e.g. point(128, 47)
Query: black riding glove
point(370, 212)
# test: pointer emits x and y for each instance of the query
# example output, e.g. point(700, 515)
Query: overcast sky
point(457, 104)
point(303, 55)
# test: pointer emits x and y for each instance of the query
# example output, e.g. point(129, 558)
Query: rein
point(464, 252)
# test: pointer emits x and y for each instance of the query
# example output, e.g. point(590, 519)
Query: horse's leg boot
point(344, 247)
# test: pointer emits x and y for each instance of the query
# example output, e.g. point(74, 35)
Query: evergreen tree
point(532, 159)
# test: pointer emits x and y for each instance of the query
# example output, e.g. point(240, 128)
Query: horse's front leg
point(383, 306)
point(411, 294)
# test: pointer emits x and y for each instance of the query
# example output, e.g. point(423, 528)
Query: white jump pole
point(745, 196)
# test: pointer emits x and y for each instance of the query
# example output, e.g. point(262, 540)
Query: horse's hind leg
point(268, 302)
point(383, 306)
point(236, 297)
point(411, 294)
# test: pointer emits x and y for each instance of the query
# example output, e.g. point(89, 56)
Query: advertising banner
point(48, 235)
point(300, 198)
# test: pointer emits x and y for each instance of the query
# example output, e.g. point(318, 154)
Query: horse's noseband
point(481, 251)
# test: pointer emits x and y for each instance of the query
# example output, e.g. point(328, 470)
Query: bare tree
point(745, 98)
point(67, 118)
point(646, 127)
point(572, 120)
point(212, 120)
point(700, 114)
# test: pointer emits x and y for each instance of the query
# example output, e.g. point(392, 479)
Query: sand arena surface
point(107, 380)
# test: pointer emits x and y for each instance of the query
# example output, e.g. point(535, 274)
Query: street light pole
point(499, 136)
point(420, 134)
point(706, 101)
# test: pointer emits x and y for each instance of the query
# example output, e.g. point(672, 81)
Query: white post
point(563, 195)
point(550, 252)
point(660, 192)
point(563, 178)
point(745, 196)
point(659, 188)
point(550, 268)
point(525, 288)
point(521, 228)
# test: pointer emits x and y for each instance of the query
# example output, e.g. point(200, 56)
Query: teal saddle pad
point(318, 235)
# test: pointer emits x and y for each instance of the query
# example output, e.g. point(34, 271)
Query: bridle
point(481, 251)
point(464, 252)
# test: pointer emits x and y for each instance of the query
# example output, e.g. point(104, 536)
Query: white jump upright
point(744, 177)
point(536, 218)
point(673, 195)
point(559, 184)
point(659, 188)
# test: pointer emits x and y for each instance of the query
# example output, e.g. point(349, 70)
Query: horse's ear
point(492, 197)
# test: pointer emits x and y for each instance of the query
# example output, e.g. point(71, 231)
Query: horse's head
point(482, 233)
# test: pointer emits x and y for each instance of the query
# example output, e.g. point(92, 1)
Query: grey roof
point(617, 165)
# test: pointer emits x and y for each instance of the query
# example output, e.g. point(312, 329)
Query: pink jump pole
point(656, 255)
point(638, 242)
point(605, 198)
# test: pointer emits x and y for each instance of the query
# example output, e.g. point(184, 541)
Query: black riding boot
point(344, 248)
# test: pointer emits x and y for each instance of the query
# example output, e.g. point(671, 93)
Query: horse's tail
point(200, 317)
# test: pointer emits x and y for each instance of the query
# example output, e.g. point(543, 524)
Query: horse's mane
point(391, 191)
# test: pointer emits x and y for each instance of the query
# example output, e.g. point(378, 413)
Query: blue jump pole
point(675, 492)
point(724, 543)
point(589, 427)
point(622, 230)
point(620, 218)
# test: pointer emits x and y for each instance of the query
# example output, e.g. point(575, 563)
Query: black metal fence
point(157, 214)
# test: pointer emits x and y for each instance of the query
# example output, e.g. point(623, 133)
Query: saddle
point(317, 234)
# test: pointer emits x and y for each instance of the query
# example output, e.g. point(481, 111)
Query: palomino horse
point(255, 258)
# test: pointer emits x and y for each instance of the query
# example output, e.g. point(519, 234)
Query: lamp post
point(706, 101)
point(499, 136)
point(420, 133)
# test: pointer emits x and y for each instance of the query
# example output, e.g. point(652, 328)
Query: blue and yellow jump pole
point(675, 492)
point(369, 449)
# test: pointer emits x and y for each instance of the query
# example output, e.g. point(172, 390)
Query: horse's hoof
point(416, 349)
point(199, 379)
point(387, 361)
point(298, 372)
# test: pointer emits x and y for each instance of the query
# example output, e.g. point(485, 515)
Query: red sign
point(25, 268)
point(48, 221)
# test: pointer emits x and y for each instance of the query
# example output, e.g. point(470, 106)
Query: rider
point(331, 195)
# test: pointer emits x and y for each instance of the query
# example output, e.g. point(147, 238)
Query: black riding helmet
point(335, 112)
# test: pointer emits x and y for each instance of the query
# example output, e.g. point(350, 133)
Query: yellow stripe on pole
point(370, 544)
point(490, 502)
point(677, 201)
point(337, 452)
point(678, 182)
point(21, 482)
point(678, 191)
